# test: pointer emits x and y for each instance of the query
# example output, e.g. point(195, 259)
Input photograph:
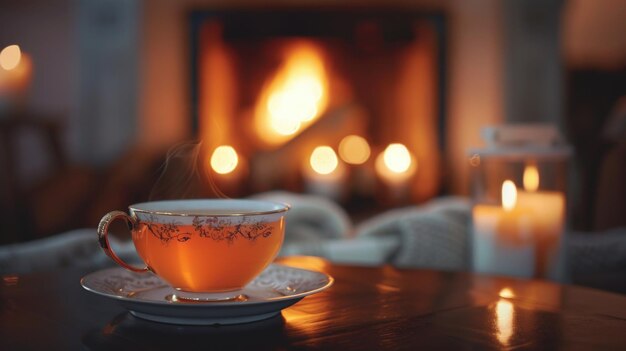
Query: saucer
point(147, 296)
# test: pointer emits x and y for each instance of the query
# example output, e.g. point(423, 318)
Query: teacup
point(205, 249)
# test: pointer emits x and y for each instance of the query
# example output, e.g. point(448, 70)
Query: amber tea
point(208, 257)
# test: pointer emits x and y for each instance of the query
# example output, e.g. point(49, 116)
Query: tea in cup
point(205, 249)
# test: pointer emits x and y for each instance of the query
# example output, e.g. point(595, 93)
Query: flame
point(224, 159)
point(395, 164)
point(397, 158)
point(295, 96)
point(354, 150)
point(324, 160)
point(10, 57)
point(509, 195)
point(504, 320)
point(531, 178)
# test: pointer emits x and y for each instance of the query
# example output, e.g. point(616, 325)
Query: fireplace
point(348, 103)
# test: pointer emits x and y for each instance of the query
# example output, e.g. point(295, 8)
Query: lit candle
point(355, 151)
point(15, 75)
point(224, 159)
point(395, 167)
point(521, 237)
point(548, 217)
point(502, 236)
point(324, 174)
point(227, 170)
point(15, 72)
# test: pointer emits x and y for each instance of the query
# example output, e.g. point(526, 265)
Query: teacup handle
point(103, 237)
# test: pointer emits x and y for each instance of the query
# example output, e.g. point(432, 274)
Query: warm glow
point(507, 293)
point(395, 164)
point(509, 195)
point(397, 158)
point(531, 178)
point(10, 57)
point(354, 150)
point(504, 321)
point(324, 160)
point(224, 159)
point(295, 96)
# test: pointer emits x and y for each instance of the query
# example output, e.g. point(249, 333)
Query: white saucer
point(148, 297)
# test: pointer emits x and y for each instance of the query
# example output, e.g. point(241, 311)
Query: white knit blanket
point(430, 236)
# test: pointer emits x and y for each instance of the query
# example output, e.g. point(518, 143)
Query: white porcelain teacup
point(202, 247)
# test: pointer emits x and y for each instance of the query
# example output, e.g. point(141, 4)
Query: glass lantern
point(519, 187)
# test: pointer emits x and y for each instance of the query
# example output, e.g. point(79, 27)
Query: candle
point(502, 236)
point(395, 167)
point(548, 216)
point(224, 159)
point(355, 151)
point(15, 75)
point(324, 174)
point(227, 169)
point(521, 237)
point(549, 206)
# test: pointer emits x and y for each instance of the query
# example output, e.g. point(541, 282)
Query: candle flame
point(224, 159)
point(509, 195)
point(531, 178)
point(324, 160)
point(354, 150)
point(10, 57)
point(397, 158)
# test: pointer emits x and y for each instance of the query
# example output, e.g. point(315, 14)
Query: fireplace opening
point(344, 103)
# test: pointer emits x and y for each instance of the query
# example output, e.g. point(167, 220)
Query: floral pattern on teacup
point(212, 227)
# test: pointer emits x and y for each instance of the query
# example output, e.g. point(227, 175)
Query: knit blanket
point(429, 236)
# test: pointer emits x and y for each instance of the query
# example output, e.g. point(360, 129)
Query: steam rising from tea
point(183, 175)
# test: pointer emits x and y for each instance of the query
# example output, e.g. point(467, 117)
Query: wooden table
point(381, 308)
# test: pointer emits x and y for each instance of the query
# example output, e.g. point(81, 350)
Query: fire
point(224, 159)
point(509, 195)
point(354, 150)
point(295, 96)
point(324, 160)
point(531, 178)
point(10, 57)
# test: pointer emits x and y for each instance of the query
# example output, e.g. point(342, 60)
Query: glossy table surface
point(381, 308)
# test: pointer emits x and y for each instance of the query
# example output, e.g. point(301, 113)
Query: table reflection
point(305, 262)
point(505, 317)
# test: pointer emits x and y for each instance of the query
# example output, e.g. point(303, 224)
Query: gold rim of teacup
point(284, 208)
